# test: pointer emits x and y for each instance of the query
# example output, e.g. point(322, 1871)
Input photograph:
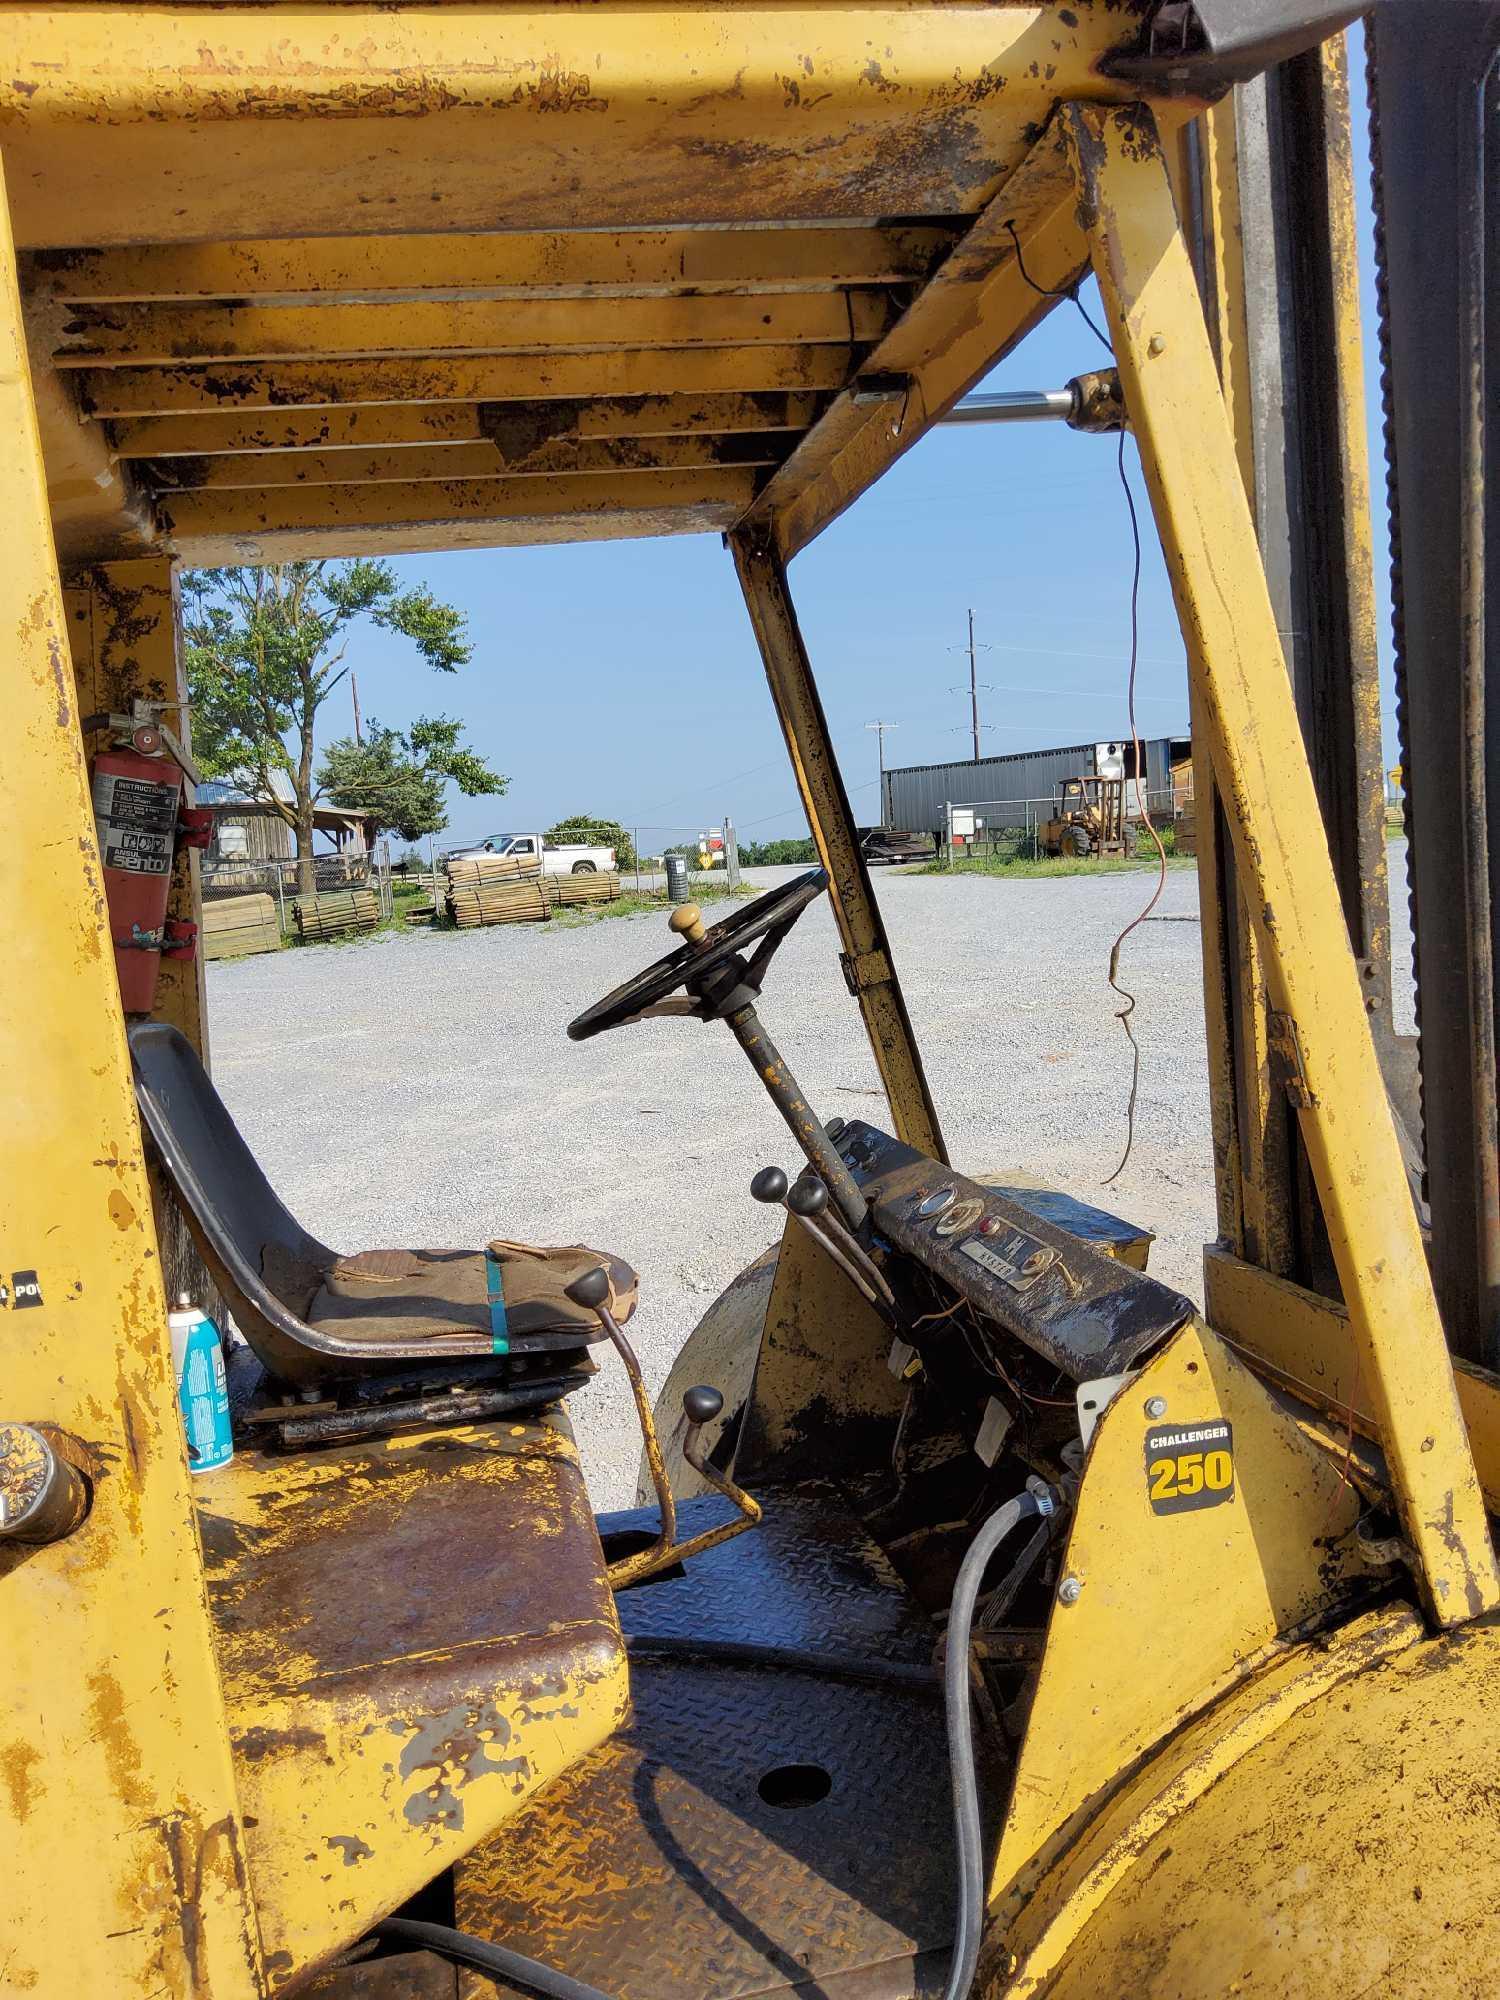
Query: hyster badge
point(1189, 1465)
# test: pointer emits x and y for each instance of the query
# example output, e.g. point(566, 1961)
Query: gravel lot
point(419, 1089)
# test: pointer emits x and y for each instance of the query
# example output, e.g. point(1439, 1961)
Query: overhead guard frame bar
point(1244, 696)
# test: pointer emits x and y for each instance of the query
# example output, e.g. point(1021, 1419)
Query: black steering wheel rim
point(775, 912)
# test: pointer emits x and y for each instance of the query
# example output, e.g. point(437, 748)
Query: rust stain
point(121, 1211)
point(563, 90)
point(109, 1729)
point(16, 1764)
point(258, 1743)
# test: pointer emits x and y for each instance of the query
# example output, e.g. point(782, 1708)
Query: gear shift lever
point(700, 1406)
point(807, 1198)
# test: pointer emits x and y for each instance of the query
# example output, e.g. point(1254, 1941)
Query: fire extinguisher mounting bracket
point(144, 730)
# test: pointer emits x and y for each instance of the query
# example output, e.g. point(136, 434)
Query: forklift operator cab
point(995, 1621)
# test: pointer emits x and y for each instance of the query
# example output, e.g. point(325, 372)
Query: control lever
point(807, 1199)
point(700, 1406)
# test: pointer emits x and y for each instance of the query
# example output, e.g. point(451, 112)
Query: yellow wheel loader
point(999, 1621)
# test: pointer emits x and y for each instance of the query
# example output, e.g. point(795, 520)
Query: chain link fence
point(1007, 829)
point(241, 875)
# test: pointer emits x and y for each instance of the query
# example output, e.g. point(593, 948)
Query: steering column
point(721, 983)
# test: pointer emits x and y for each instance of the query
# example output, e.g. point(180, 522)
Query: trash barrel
point(677, 878)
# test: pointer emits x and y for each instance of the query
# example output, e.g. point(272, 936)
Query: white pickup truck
point(555, 860)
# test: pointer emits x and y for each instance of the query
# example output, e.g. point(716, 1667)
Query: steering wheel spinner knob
point(687, 921)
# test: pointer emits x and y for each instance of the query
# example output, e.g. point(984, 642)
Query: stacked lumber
point(1187, 829)
point(566, 891)
point(471, 904)
point(336, 913)
point(473, 869)
point(235, 926)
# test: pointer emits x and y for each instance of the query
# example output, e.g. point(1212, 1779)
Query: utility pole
point(973, 689)
point(880, 728)
point(354, 690)
point(975, 684)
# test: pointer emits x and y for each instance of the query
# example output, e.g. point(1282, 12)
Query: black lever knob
point(769, 1185)
point(808, 1196)
point(701, 1405)
point(590, 1290)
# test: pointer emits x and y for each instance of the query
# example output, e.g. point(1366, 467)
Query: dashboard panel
point(1076, 1307)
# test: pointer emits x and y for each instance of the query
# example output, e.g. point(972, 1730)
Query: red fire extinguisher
point(141, 815)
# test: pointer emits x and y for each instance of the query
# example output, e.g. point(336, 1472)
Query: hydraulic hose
point(968, 1831)
point(483, 1956)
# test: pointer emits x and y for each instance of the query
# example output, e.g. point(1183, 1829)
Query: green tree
point(263, 651)
point(776, 853)
point(400, 779)
point(583, 830)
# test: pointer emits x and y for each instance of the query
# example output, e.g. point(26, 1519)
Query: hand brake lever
point(700, 1406)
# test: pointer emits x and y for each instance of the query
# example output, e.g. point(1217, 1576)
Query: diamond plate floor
point(808, 1579)
point(662, 1867)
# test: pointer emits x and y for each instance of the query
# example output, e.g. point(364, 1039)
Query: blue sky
point(621, 678)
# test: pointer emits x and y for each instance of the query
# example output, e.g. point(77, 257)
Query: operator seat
point(313, 1316)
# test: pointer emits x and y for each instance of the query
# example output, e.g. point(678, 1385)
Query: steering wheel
point(708, 963)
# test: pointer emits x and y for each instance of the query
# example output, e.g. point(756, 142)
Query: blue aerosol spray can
point(202, 1394)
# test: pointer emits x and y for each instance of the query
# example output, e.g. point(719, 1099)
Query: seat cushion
point(512, 1290)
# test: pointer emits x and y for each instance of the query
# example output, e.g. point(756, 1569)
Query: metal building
point(916, 796)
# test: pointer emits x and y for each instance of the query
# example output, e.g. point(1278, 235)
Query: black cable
point(1123, 1014)
point(1061, 292)
point(968, 1830)
point(1143, 800)
point(483, 1956)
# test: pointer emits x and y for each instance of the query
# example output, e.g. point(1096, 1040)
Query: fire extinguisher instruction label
point(137, 823)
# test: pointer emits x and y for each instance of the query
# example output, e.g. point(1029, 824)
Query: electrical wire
point(1062, 292)
point(1124, 1013)
point(495, 1959)
point(1143, 806)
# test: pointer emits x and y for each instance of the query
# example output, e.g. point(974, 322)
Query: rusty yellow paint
point(1309, 1343)
point(1278, 1816)
point(180, 123)
point(1236, 663)
point(664, 371)
point(869, 968)
point(375, 1747)
point(226, 527)
point(818, 1352)
point(611, 456)
point(381, 427)
point(92, 502)
point(121, 1837)
point(972, 312)
point(1249, 1115)
point(1192, 1601)
point(519, 265)
point(165, 335)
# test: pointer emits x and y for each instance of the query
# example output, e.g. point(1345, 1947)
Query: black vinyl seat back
point(206, 1154)
point(243, 1230)
point(232, 1211)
